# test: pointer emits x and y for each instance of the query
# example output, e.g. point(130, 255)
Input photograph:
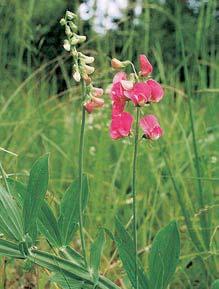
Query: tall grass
point(178, 178)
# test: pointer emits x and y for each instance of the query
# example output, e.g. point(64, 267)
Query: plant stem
point(80, 173)
point(134, 208)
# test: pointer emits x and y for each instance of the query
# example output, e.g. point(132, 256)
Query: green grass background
point(178, 177)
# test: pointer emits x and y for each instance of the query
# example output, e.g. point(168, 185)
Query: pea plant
point(25, 213)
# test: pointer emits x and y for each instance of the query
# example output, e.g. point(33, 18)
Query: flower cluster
point(82, 68)
point(140, 90)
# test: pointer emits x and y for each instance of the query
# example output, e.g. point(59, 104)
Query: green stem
point(80, 173)
point(134, 208)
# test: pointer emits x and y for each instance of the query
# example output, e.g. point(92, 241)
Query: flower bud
point(74, 40)
point(97, 92)
point(87, 59)
point(81, 38)
point(62, 22)
point(73, 27)
point(77, 76)
point(89, 69)
point(68, 31)
point(87, 79)
point(70, 15)
point(117, 64)
point(67, 45)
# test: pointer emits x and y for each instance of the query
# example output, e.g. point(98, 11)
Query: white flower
point(67, 45)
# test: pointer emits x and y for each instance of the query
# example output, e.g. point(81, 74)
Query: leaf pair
point(163, 257)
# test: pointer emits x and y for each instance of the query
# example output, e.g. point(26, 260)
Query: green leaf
point(68, 269)
point(47, 222)
point(18, 190)
point(48, 225)
point(126, 250)
point(164, 256)
point(36, 190)
point(59, 265)
point(95, 254)
point(70, 254)
point(69, 210)
point(10, 216)
point(215, 285)
point(69, 283)
point(10, 249)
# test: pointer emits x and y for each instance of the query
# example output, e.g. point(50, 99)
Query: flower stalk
point(134, 195)
point(141, 90)
point(90, 100)
point(80, 173)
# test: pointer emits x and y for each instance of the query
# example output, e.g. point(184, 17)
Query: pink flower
point(145, 67)
point(117, 90)
point(97, 92)
point(121, 125)
point(117, 93)
point(157, 91)
point(151, 127)
point(93, 103)
point(118, 107)
point(119, 76)
point(139, 94)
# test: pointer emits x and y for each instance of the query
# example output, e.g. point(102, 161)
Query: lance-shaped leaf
point(69, 283)
point(48, 225)
point(126, 250)
point(68, 269)
point(10, 216)
point(47, 222)
point(95, 255)
point(72, 255)
point(10, 249)
point(36, 190)
point(164, 256)
point(69, 210)
point(215, 284)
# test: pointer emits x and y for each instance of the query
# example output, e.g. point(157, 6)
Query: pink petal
point(140, 94)
point(121, 125)
point(93, 103)
point(97, 92)
point(157, 91)
point(145, 67)
point(118, 107)
point(119, 76)
point(151, 127)
point(117, 91)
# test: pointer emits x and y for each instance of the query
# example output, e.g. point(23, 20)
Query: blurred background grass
point(178, 178)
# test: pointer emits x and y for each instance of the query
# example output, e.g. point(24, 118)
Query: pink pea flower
point(118, 107)
point(119, 76)
point(121, 125)
point(93, 103)
point(145, 67)
point(117, 93)
point(151, 127)
point(139, 94)
point(97, 92)
point(157, 91)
